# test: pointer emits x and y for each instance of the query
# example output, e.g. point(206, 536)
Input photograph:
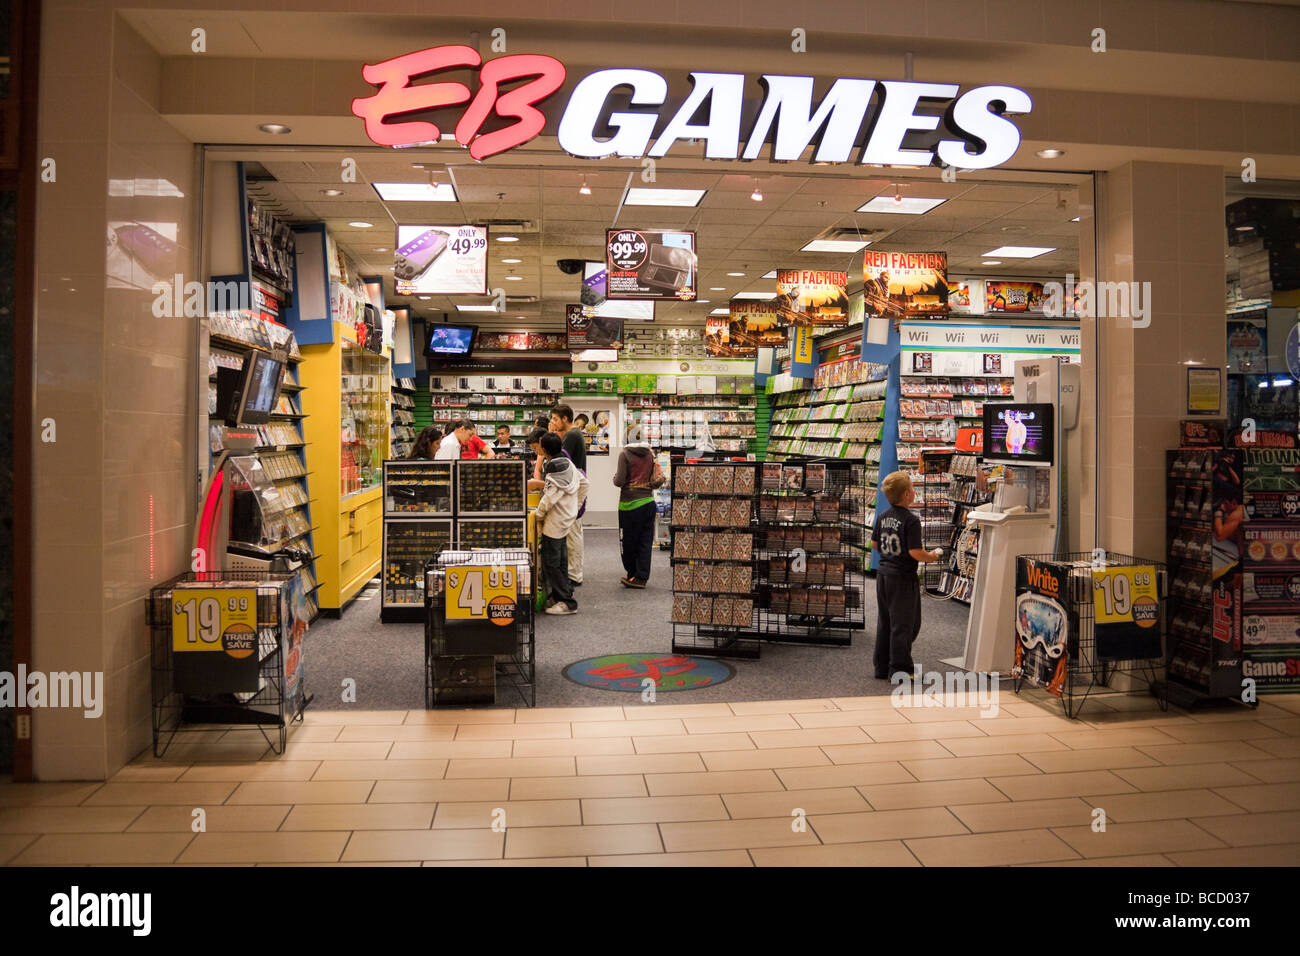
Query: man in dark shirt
point(897, 539)
point(575, 447)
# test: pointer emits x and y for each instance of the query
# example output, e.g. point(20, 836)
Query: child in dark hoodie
point(636, 476)
point(564, 492)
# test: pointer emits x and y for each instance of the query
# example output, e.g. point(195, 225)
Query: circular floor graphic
point(670, 672)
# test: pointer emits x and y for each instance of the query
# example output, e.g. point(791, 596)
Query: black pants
point(636, 538)
point(898, 621)
point(555, 570)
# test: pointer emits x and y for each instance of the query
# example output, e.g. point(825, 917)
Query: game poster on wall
point(1013, 298)
point(1044, 630)
point(441, 260)
point(1247, 346)
point(898, 284)
point(812, 297)
point(520, 342)
point(650, 264)
point(965, 296)
point(750, 326)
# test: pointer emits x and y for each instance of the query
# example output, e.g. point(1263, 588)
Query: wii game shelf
point(932, 411)
point(834, 421)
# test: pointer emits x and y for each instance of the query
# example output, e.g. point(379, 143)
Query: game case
point(683, 577)
point(681, 609)
point(723, 610)
point(742, 612)
point(814, 478)
point(701, 610)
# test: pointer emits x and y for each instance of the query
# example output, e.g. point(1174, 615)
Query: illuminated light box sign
point(750, 326)
point(626, 112)
point(898, 284)
point(595, 302)
point(441, 260)
point(812, 297)
point(650, 264)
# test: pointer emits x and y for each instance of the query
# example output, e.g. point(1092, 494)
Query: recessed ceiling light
point(507, 238)
point(641, 196)
point(514, 278)
point(360, 224)
point(416, 192)
point(584, 189)
point(836, 245)
point(720, 312)
point(381, 248)
point(511, 261)
point(991, 262)
point(425, 298)
point(1242, 228)
point(717, 288)
point(757, 194)
point(475, 308)
point(331, 192)
point(701, 301)
point(754, 295)
point(1020, 252)
point(903, 205)
point(277, 129)
point(1076, 219)
point(1050, 153)
point(770, 275)
point(736, 274)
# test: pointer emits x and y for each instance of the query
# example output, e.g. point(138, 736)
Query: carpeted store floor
point(386, 660)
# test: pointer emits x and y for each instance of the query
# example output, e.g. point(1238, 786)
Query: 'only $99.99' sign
point(481, 593)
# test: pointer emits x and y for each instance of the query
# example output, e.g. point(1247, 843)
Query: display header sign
point(650, 264)
point(1013, 297)
point(812, 297)
point(898, 284)
point(628, 113)
point(441, 260)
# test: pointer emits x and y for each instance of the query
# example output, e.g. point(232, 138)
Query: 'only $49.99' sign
point(484, 593)
point(222, 619)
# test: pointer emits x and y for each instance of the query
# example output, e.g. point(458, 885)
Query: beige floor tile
point(1023, 814)
point(1101, 758)
point(1129, 839)
point(925, 715)
point(781, 707)
point(513, 732)
point(217, 820)
point(380, 770)
point(436, 791)
point(879, 825)
point(1286, 747)
point(847, 775)
point(1124, 720)
point(881, 702)
point(954, 768)
point(640, 763)
point(147, 773)
point(565, 861)
point(1016, 726)
point(940, 793)
point(733, 781)
point(310, 791)
point(360, 816)
point(744, 806)
point(1271, 771)
point(1223, 730)
point(1092, 739)
point(816, 737)
point(1205, 753)
point(991, 849)
point(742, 725)
point(375, 845)
point(349, 750)
point(68, 819)
point(1288, 702)
point(1289, 726)
point(735, 834)
point(480, 715)
point(316, 733)
point(659, 711)
point(566, 715)
point(568, 788)
point(1185, 776)
point(256, 770)
point(584, 840)
point(181, 753)
point(630, 728)
point(693, 743)
point(851, 718)
point(882, 853)
point(1029, 708)
point(1285, 854)
point(1230, 711)
point(1075, 783)
point(149, 794)
point(518, 813)
point(1108, 862)
point(11, 844)
point(884, 753)
point(709, 858)
point(758, 759)
point(933, 730)
point(85, 849)
point(515, 767)
point(1164, 805)
point(1005, 744)
point(45, 794)
point(450, 749)
point(391, 733)
point(598, 811)
point(1133, 704)
point(572, 747)
point(314, 717)
point(1253, 829)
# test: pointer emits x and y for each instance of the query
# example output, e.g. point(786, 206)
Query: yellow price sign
point(1125, 594)
point(219, 619)
point(803, 344)
point(482, 593)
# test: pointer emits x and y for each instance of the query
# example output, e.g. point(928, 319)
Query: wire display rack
point(1057, 634)
point(222, 685)
point(465, 666)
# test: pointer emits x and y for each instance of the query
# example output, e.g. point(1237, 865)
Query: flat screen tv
point(451, 341)
point(1019, 434)
point(256, 389)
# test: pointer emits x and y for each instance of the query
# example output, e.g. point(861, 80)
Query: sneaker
point(634, 583)
point(559, 607)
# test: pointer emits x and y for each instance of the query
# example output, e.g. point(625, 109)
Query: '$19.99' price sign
point(476, 592)
point(221, 619)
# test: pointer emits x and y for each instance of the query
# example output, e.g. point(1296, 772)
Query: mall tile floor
point(714, 784)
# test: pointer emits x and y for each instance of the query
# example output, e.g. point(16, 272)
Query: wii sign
point(627, 113)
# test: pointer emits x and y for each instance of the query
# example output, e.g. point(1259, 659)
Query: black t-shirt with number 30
point(896, 533)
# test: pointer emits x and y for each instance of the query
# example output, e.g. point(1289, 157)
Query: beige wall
point(114, 498)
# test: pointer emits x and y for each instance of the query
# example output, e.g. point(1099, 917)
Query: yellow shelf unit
point(339, 377)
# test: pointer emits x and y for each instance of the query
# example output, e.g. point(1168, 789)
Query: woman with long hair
point(426, 445)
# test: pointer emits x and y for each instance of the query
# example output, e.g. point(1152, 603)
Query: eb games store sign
point(510, 100)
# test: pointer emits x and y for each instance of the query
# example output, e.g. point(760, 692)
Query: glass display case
point(491, 487)
point(418, 487)
point(364, 426)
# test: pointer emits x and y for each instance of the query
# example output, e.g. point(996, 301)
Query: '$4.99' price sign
point(476, 592)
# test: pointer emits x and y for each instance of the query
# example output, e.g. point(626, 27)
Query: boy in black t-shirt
point(897, 538)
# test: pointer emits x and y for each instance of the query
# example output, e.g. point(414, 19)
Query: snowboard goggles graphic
point(1040, 622)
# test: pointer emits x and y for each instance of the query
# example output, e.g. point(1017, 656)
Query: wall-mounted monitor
point(1019, 434)
point(450, 341)
point(252, 391)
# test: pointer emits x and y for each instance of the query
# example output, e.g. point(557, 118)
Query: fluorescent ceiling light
point(754, 295)
point(836, 245)
point(507, 238)
point(416, 192)
point(720, 312)
point(511, 261)
point(425, 298)
point(641, 196)
point(360, 224)
point(770, 275)
point(1020, 252)
point(475, 308)
point(906, 205)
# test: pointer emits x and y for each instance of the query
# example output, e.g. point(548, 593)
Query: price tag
point(627, 249)
point(1124, 595)
point(217, 620)
point(481, 593)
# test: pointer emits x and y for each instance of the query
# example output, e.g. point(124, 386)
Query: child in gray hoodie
point(562, 496)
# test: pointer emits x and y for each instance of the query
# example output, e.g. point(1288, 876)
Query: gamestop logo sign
point(625, 113)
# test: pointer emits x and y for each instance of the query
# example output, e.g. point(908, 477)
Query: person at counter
point(426, 445)
point(474, 447)
point(534, 445)
point(575, 447)
point(502, 447)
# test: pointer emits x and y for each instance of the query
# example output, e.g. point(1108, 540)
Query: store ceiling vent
point(509, 225)
point(852, 233)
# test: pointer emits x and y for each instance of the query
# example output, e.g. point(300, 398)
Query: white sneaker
point(559, 607)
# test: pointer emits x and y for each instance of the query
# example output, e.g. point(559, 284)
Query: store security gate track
point(667, 672)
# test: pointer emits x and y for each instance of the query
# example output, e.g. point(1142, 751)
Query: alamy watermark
point(951, 689)
point(1091, 300)
point(193, 300)
point(79, 909)
point(72, 689)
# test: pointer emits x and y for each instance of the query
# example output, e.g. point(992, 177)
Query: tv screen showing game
point(1018, 434)
point(451, 340)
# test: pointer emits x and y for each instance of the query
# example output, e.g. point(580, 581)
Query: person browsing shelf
point(426, 444)
point(897, 539)
point(636, 476)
